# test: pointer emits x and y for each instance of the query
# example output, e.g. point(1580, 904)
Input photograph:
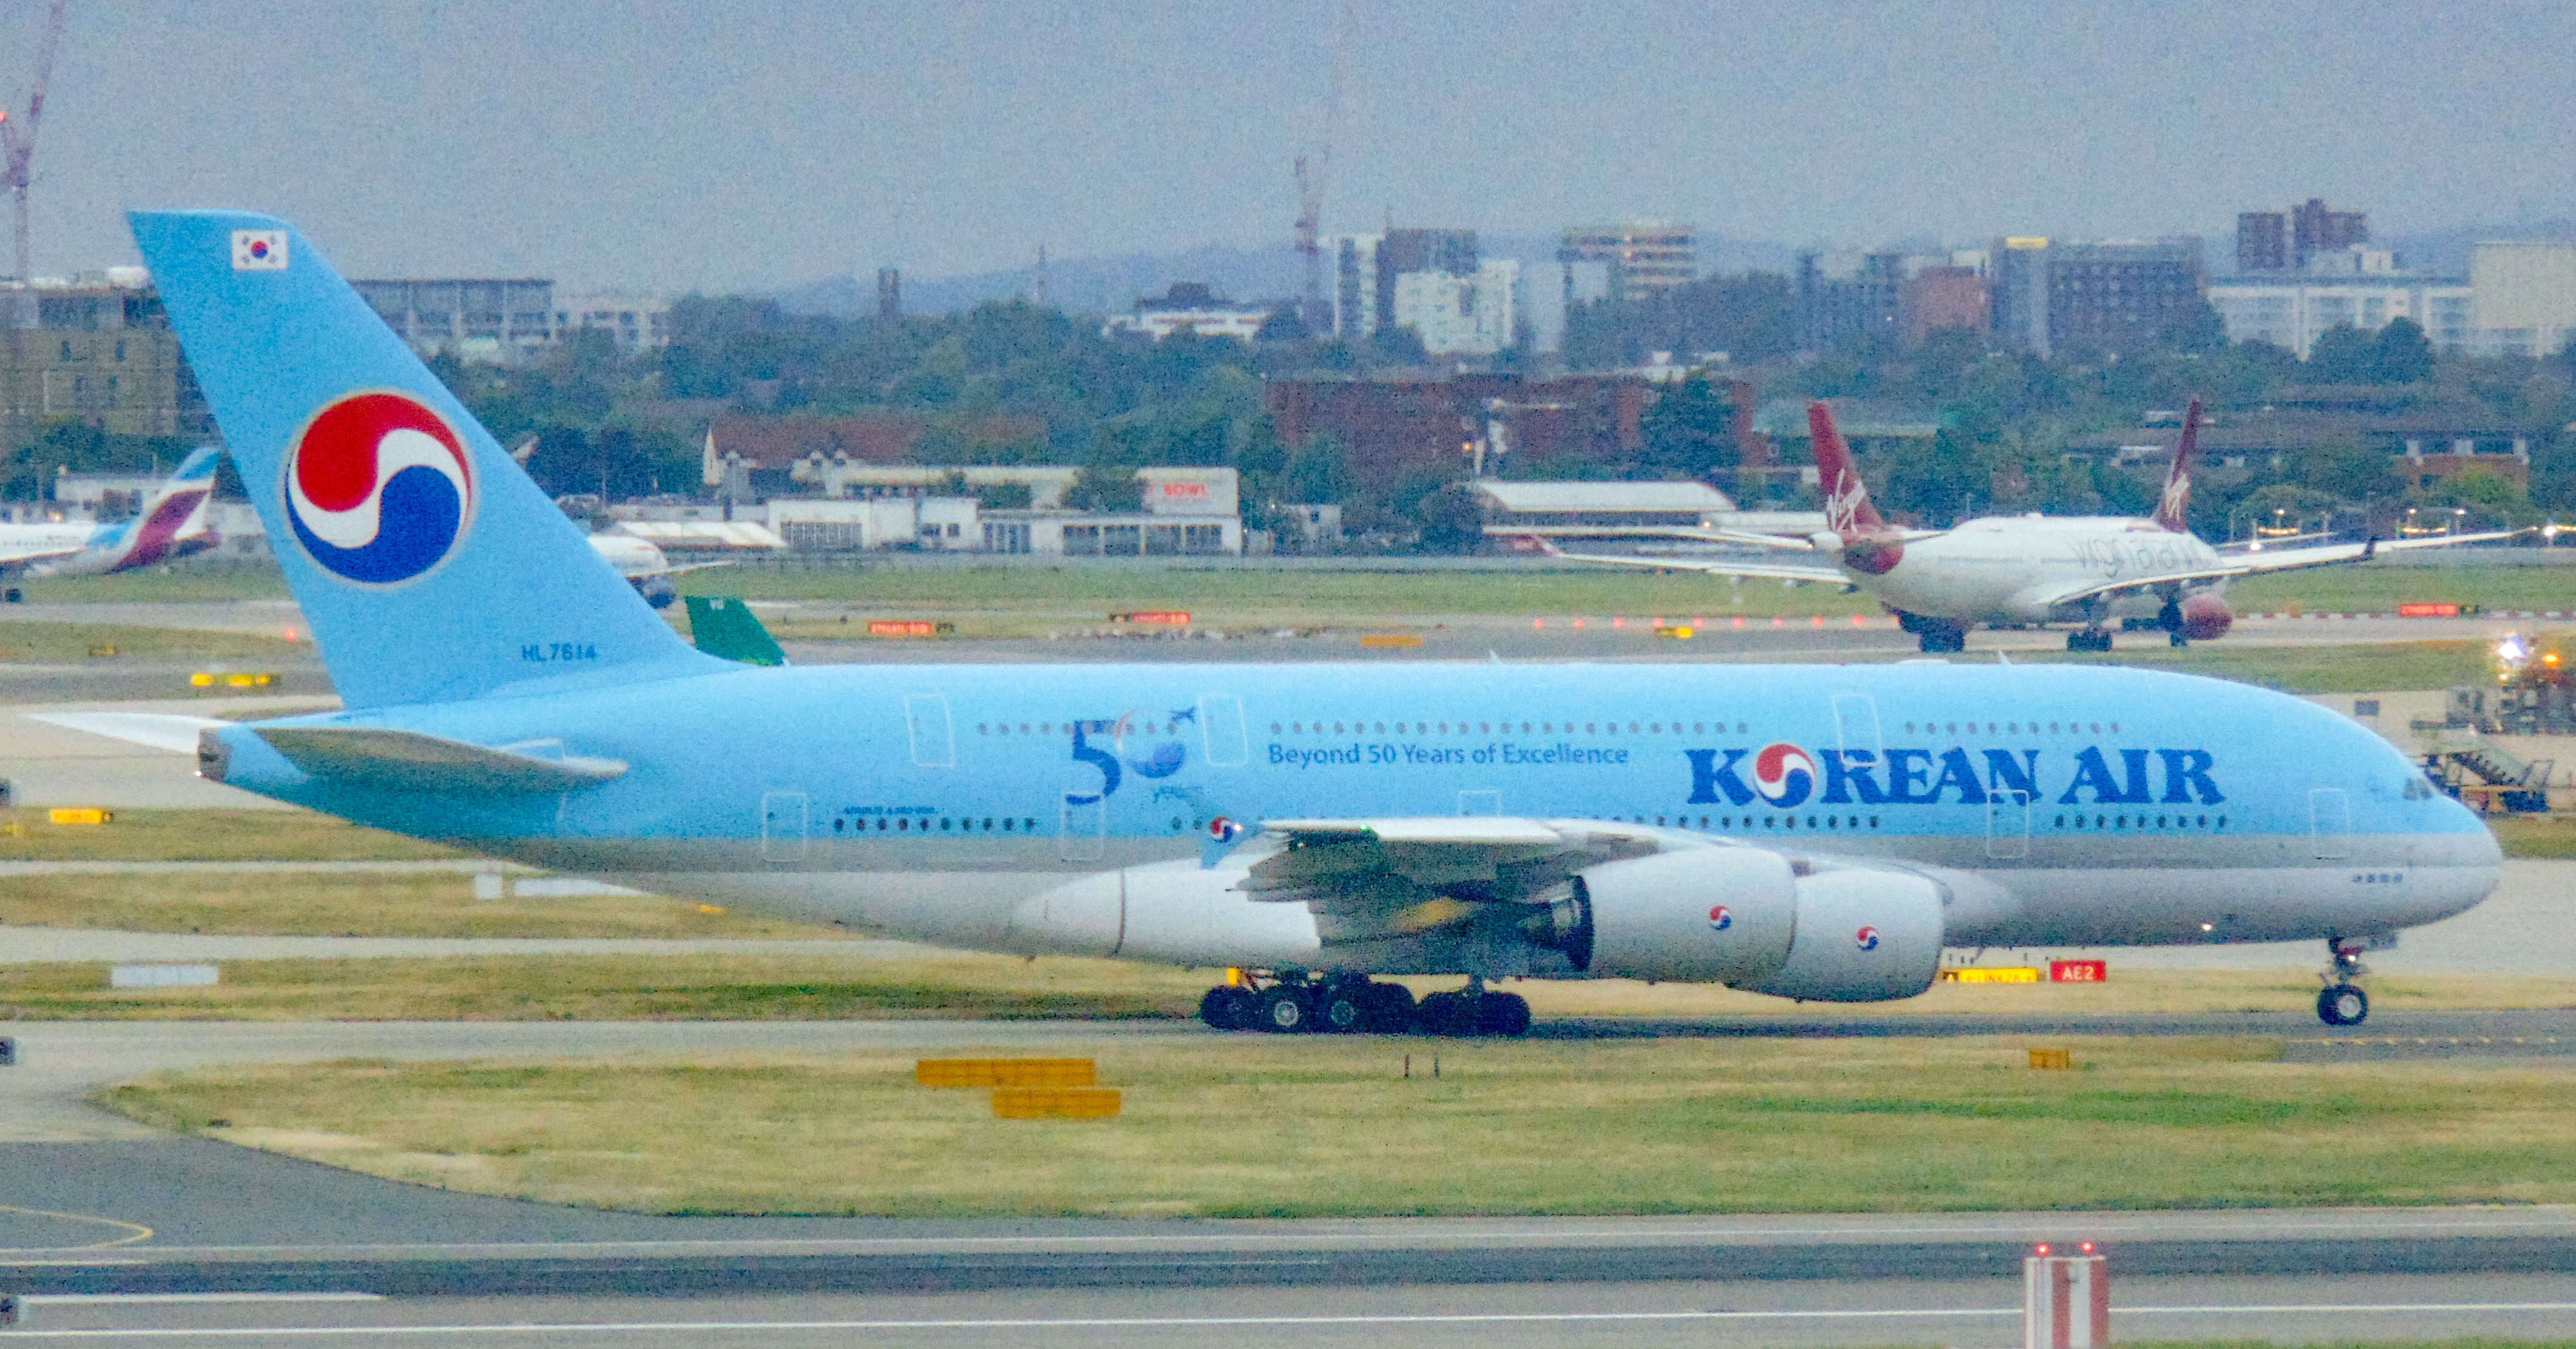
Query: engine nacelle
point(1863, 935)
point(2205, 616)
point(1698, 915)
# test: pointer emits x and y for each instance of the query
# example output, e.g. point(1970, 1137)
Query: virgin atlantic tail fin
point(1847, 508)
point(2175, 504)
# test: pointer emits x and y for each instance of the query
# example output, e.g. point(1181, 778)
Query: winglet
point(2175, 504)
point(1847, 507)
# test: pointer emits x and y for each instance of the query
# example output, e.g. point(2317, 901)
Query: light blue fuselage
point(2059, 806)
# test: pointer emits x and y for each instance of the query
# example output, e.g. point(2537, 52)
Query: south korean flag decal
point(259, 250)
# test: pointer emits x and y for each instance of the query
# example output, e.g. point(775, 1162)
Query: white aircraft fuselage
point(2004, 569)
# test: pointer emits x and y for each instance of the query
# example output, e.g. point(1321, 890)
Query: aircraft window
point(983, 728)
point(1525, 727)
point(2013, 727)
point(2222, 821)
point(1337, 727)
point(1832, 821)
point(1703, 822)
point(1873, 822)
point(837, 823)
point(1444, 728)
point(1739, 728)
point(1547, 728)
point(1590, 728)
point(1632, 728)
point(1484, 728)
point(943, 824)
point(1697, 727)
point(2115, 728)
point(1951, 729)
point(1381, 728)
point(2052, 728)
point(1659, 819)
point(2097, 728)
point(1399, 728)
point(1007, 823)
point(903, 824)
point(2101, 821)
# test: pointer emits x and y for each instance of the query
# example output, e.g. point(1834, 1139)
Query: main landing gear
point(1295, 1003)
point(2341, 1002)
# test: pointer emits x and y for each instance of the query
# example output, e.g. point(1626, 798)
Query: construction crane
point(18, 134)
point(1310, 181)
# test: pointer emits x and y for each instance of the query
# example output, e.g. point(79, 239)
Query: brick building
point(1391, 425)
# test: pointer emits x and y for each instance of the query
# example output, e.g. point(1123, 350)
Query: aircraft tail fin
point(430, 567)
point(728, 628)
point(172, 523)
point(2175, 505)
point(1847, 506)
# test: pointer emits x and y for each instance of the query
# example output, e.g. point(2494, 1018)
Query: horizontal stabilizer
point(412, 762)
point(155, 730)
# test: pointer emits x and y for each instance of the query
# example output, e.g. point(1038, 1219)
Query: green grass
point(1216, 598)
point(195, 581)
point(104, 644)
point(678, 987)
point(1254, 1127)
point(362, 904)
point(28, 835)
point(2536, 835)
point(2369, 588)
point(2309, 669)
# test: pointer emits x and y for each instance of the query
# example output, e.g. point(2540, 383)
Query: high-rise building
point(2110, 297)
point(889, 294)
point(1638, 259)
point(1945, 298)
point(493, 322)
point(2526, 297)
point(1408, 251)
point(1454, 315)
point(2315, 229)
point(1843, 299)
point(2263, 241)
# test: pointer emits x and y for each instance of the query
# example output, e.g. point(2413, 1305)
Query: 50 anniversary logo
point(1158, 760)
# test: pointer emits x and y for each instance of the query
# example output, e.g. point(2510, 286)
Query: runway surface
point(1615, 1315)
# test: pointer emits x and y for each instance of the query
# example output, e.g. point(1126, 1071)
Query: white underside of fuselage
point(1182, 913)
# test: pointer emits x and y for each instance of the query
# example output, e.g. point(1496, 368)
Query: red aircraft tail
point(2176, 502)
point(1847, 508)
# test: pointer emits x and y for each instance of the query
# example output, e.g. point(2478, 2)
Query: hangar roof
point(1528, 498)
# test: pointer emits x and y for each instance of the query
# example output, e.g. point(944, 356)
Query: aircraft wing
point(1696, 533)
point(1375, 879)
point(1760, 571)
point(2252, 564)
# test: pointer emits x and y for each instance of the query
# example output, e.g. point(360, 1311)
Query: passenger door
point(2330, 823)
point(782, 826)
point(926, 726)
point(1221, 728)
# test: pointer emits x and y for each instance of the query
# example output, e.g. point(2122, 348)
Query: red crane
point(18, 134)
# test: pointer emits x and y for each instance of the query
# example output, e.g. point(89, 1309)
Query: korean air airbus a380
point(1810, 832)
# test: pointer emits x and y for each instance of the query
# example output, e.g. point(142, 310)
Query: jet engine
point(2205, 615)
point(1753, 918)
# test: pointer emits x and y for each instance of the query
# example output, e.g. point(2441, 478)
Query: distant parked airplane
point(171, 524)
point(2019, 569)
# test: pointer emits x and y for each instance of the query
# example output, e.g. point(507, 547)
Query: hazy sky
point(749, 143)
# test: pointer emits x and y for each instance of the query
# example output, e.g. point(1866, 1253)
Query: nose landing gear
point(2342, 1002)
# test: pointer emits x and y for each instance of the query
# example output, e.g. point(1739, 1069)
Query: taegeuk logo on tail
point(379, 489)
